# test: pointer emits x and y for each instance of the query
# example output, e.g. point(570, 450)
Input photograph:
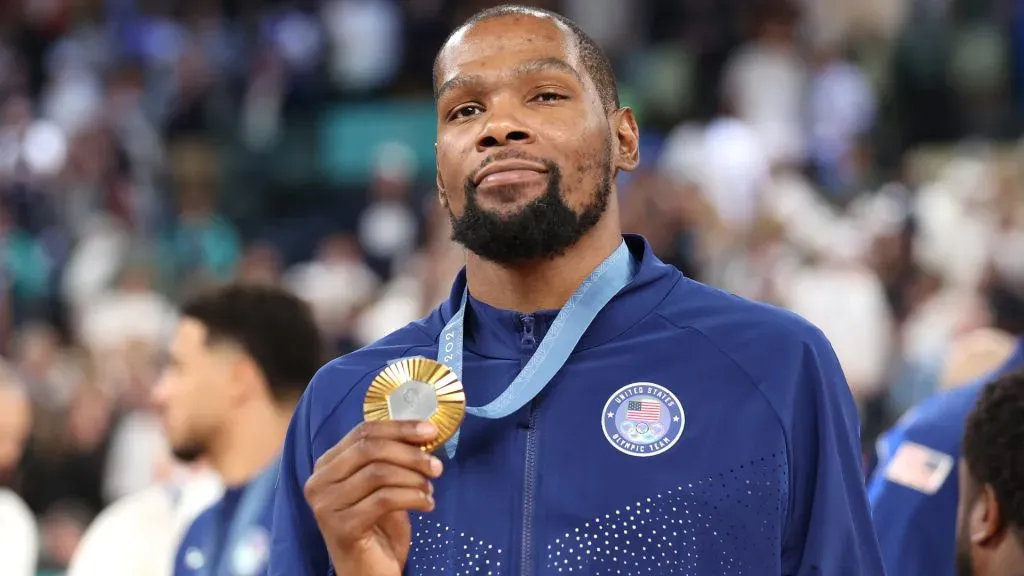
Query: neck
point(249, 443)
point(1009, 561)
point(545, 284)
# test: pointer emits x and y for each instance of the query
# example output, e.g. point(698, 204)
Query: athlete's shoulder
point(338, 378)
point(753, 334)
point(151, 505)
point(938, 421)
point(917, 457)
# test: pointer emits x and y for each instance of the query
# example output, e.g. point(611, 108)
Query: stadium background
point(853, 161)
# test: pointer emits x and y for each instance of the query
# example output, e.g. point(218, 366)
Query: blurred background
point(856, 162)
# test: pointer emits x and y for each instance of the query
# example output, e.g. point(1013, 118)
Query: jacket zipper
point(529, 344)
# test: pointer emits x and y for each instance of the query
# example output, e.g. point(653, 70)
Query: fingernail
point(435, 466)
point(430, 488)
point(430, 500)
point(425, 429)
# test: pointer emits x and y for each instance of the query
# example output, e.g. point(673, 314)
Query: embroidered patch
point(250, 556)
point(643, 419)
point(919, 467)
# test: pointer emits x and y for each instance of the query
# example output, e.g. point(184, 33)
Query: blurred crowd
point(855, 162)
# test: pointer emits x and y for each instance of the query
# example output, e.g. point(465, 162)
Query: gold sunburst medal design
point(418, 389)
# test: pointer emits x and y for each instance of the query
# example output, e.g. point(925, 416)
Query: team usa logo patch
point(250, 556)
point(643, 419)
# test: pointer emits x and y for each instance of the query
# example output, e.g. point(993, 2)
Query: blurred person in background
point(845, 298)
point(913, 491)
point(239, 361)
point(389, 227)
point(765, 79)
point(139, 533)
point(261, 264)
point(990, 514)
point(338, 262)
point(199, 247)
point(61, 475)
point(19, 542)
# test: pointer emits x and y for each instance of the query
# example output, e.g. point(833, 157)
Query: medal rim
point(448, 389)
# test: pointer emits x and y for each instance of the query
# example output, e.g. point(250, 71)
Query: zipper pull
point(527, 340)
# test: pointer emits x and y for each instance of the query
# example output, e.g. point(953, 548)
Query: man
point(990, 515)
point(913, 490)
point(19, 541)
point(239, 361)
point(679, 428)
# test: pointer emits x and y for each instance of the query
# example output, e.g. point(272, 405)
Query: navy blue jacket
point(690, 432)
point(207, 547)
point(914, 489)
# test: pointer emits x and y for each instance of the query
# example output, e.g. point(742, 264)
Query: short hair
point(593, 58)
point(993, 447)
point(274, 327)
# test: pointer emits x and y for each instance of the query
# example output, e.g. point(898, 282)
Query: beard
point(543, 229)
point(189, 452)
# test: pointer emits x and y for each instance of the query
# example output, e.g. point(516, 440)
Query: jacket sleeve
point(829, 529)
point(296, 547)
point(915, 524)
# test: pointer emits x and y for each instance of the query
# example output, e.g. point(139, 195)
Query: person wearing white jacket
point(139, 534)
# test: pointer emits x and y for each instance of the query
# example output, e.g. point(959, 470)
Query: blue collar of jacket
point(496, 333)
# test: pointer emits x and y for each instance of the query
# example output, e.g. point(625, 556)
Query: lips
point(513, 170)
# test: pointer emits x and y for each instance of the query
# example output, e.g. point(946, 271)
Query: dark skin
point(515, 84)
point(986, 545)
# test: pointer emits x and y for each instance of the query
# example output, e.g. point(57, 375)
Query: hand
point(362, 489)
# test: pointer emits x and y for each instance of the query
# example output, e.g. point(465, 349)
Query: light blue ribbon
point(611, 276)
point(257, 496)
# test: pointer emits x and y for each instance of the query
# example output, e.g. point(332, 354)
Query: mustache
point(509, 154)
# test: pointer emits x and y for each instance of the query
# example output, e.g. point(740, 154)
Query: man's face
point(193, 392)
point(526, 152)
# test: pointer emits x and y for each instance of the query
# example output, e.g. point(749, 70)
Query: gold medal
point(418, 389)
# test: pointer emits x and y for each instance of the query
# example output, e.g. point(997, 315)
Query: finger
point(369, 450)
point(397, 529)
point(364, 515)
point(371, 478)
point(417, 433)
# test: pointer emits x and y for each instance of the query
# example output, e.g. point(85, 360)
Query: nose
point(503, 129)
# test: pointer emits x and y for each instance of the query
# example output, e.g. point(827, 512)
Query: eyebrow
point(518, 71)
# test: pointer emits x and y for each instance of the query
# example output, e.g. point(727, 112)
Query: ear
point(627, 140)
point(985, 522)
point(246, 376)
point(442, 193)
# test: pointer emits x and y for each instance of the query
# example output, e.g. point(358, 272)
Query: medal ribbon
point(257, 495)
point(611, 276)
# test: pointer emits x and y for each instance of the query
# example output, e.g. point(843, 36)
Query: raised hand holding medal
point(362, 490)
point(422, 389)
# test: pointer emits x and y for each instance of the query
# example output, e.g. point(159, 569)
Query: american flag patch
point(919, 468)
point(643, 410)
